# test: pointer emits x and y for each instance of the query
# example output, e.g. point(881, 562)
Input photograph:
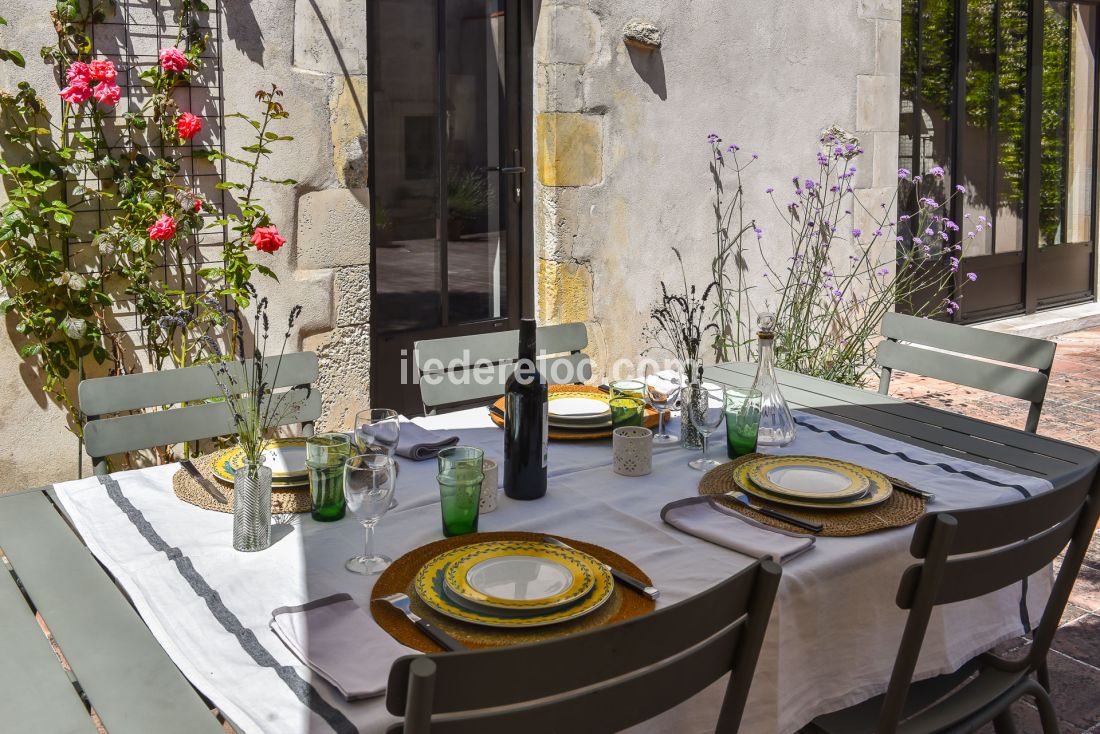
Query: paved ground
point(1071, 413)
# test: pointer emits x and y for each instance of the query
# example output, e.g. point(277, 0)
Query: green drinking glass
point(742, 421)
point(627, 401)
point(461, 471)
point(326, 454)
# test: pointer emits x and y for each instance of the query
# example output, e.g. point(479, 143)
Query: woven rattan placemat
point(900, 510)
point(558, 434)
point(623, 604)
point(187, 489)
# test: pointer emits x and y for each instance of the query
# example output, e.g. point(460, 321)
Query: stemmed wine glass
point(377, 427)
point(705, 407)
point(369, 481)
point(658, 399)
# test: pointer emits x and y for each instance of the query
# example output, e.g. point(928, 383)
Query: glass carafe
point(776, 424)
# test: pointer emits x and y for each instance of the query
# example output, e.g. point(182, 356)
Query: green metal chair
point(102, 396)
point(964, 554)
point(461, 371)
point(947, 351)
point(603, 680)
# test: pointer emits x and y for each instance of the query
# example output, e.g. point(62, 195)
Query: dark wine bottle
point(525, 422)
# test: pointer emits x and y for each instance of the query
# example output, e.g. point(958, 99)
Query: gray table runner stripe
point(302, 689)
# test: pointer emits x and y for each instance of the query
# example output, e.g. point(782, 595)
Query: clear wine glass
point(377, 427)
point(659, 395)
point(705, 406)
point(369, 482)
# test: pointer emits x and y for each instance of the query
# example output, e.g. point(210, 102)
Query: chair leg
point(1043, 674)
point(1047, 715)
point(1004, 723)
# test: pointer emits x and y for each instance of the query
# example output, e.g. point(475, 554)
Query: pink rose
point(107, 93)
point(103, 71)
point(79, 73)
point(188, 125)
point(76, 93)
point(163, 229)
point(172, 59)
point(198, 204)
point(267, 239)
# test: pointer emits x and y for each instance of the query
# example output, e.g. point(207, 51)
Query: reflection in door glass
point(1011, 112)
point(1069, 86)
point(475, 231)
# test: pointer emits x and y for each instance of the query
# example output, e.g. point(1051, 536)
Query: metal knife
point(623, 578)
point(798, 522)
point(203, 482)
point(908, 488)
point(496, 411)
point(400, 602)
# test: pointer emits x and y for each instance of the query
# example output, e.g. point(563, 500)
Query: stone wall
point(315, 50)
point(621, 135)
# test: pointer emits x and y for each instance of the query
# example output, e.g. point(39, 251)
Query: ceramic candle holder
point(632, 447)
point(490, 486)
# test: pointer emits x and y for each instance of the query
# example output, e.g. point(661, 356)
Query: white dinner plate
point(578, 408)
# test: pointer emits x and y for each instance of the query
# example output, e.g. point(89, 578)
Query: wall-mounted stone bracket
point(642, 34)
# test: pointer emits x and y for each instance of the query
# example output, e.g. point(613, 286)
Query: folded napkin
point(704, 518)
point(418, 443)
point(339, 641)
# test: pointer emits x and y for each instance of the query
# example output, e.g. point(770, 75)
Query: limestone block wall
point(621, 127)
point(315, 50)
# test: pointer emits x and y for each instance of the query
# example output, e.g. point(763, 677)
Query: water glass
point(326, 454)
point(461, 472)
point(377, 427)
point(705, 405)
point(742, 421)
point(659, 393)
point(369, 483)
point(627, 401)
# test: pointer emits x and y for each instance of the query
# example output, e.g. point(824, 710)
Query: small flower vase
point(252, 508)
point(691, 438)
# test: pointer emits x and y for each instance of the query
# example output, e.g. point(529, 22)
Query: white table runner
point(831, 641)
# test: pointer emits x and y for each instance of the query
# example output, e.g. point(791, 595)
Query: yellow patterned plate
point(520, 575)
point(809, 478)
point(878, 492)
point(432, 589)
point(285, 456)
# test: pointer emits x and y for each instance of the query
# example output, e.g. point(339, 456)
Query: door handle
point(513, 170)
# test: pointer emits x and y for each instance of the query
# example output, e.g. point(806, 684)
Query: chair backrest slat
point(104, 395)
point(1011, 348)
point(464, 370)
point(671, 654)
point(998, 378)
point(123, 433)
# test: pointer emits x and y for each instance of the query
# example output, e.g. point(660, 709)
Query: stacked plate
point(812, 482)
point(285, 456)
point(514, 583)
point(578, 410)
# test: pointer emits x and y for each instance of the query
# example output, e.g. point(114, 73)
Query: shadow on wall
point(650, 66)
point(243, 29)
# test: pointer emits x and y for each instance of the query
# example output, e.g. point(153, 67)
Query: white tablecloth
point(831, 640)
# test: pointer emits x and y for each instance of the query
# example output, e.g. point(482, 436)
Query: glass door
point(447, 180)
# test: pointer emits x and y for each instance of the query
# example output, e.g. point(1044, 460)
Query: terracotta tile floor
point(1071, 413)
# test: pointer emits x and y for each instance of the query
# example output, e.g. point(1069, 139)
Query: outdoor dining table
point(148, 603)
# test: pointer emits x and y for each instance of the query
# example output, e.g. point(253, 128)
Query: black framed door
point(449, 127)
point(1003, 95)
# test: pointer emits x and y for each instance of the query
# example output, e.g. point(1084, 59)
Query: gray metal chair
point(598, 681)
point(943, 351)
point(101, 396)
point(461, 371)
point(964, 554)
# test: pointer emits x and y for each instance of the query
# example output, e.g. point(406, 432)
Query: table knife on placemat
point(623, 578)
point(798, 522)
point(203, 482)
point(903, 486)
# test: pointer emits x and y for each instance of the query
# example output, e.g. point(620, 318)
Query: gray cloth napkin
point(704, 518)
point(339, 641)
point(418, 443)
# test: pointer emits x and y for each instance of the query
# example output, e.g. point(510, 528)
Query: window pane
point(1011, 76)
point(977, 132)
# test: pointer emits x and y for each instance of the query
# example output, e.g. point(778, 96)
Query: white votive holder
point(490, 487)
point(632, 447)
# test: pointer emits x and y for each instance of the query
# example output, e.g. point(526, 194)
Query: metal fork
point(400, 602)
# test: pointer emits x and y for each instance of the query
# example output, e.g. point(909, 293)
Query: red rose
point(107, 93)
point(198, 204)
point(76, 93)
point(188, 125)
point(103, 71)
point(267, 239)
point(163, 229)
point(172, 59)
point(79, 73)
